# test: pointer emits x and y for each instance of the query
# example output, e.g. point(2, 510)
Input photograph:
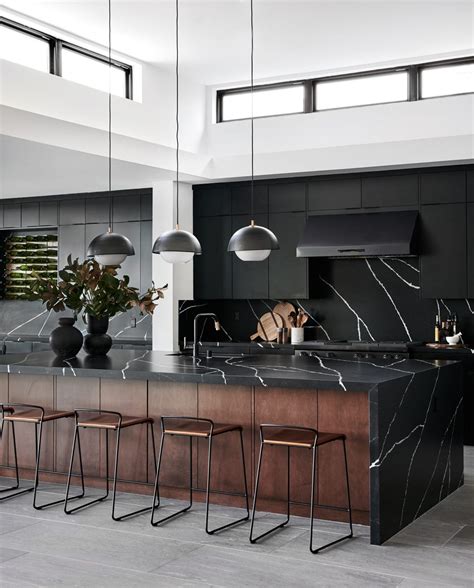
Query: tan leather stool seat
point(111, 421)
point(298, 438)
point(193, 428)
point(33, 415)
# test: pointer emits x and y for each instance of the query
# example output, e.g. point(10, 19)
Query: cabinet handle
point(351, 250)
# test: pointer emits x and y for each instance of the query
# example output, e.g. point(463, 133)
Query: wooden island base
point(326, 410)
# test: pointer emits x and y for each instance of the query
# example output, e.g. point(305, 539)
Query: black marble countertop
point(260, 370)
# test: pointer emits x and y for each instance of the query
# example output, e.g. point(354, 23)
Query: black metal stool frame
point(312, 504)
point(209, 436)
point(38, 438)
point(77, 440)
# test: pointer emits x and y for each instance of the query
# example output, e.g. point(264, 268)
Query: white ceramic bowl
point(454, 340)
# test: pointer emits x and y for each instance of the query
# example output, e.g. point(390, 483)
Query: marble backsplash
point(362, 299)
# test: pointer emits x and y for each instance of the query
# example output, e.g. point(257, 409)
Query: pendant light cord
point(110, 114)
point(251, 114)
point(177, 114)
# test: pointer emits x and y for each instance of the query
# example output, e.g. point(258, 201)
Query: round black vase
point(66, 340)
point(97, 342)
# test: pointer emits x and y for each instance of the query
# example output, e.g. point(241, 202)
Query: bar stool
point(302, 437)
point(107, 420)
point(30, 413)
point(200, 428)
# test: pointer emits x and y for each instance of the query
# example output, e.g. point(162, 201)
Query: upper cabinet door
point(48, 214)
point(210, 201)
point(241, 199)
point(470, 250)
point(30, 214)
point(72, 212)
point(337, 194)
point(288, 274)
point(131, 265)
point(443, 187)
point(12, 216)
point(443, 251)
point(146, 207)
point(71, 241)
point(97, 209)
point(213, 269)
point(126, 208)
point(249, 278)
point(287, 197)
point(384, 191)
point(470, 186)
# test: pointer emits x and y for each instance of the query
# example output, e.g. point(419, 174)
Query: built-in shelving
point(25, 254)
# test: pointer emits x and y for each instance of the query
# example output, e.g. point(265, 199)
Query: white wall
point(439, 130)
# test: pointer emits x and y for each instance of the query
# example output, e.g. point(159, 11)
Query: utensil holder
point(297, 335)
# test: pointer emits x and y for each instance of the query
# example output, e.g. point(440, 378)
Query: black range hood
point(374, 234)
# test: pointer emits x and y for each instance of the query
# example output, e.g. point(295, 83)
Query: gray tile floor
point(47, 548)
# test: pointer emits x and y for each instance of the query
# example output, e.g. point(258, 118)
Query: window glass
point(357, 91)
point(268, 102)
point(446, 80)
point(91, 72)
point(24, 49)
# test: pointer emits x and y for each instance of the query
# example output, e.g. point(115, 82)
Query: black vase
point(97, 342)
point(66, 340)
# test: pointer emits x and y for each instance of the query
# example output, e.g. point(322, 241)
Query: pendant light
point(177, 246)
point(252, 243)
point(110, 248)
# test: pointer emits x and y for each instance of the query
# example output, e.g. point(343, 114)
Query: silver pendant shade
point(252, 243)
point(177, 245)
point(110, 248)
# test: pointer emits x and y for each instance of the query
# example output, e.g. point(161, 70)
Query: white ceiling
point(292, 37)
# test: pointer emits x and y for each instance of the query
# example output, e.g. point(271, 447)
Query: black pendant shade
point(252, 238)
point(177, 240)
point(110, 248)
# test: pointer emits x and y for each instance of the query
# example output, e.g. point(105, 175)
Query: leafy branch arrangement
point(92, 289)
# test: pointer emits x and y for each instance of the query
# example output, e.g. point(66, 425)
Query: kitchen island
point(402, 419)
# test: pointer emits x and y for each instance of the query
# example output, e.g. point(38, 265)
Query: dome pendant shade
point(177, 246)
point(253, 243)
point(110, 248)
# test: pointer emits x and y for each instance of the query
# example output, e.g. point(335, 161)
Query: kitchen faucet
point(217, 326)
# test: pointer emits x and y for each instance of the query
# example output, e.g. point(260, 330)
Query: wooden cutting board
point(267, 327)
point(284, 309)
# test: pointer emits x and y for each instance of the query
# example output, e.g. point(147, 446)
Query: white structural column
point(179, 277)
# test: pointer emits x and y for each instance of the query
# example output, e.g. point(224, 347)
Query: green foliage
point(92, 289)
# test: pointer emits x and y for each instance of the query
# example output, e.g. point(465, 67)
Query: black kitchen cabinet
point(470, 250)
point(97, 210)
point(400, 190)
point(72, 212)
point(146, 207)
point(210, 201)
point(12, 216)
point(337, 194)
point(30, 214)
point(241, 199)
point(131, 265)
point(249, 278)
point(71, 241)
point(443, 187)
point(1, 215)
point(288, 275)
point(213, 269)
point(126, 208)
point(287, 197)
point(443, 251)
point(470, 186)
point(48, 213)
point(146, 262)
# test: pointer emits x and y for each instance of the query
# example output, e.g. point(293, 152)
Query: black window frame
point(414, 93)
point(55, 52)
